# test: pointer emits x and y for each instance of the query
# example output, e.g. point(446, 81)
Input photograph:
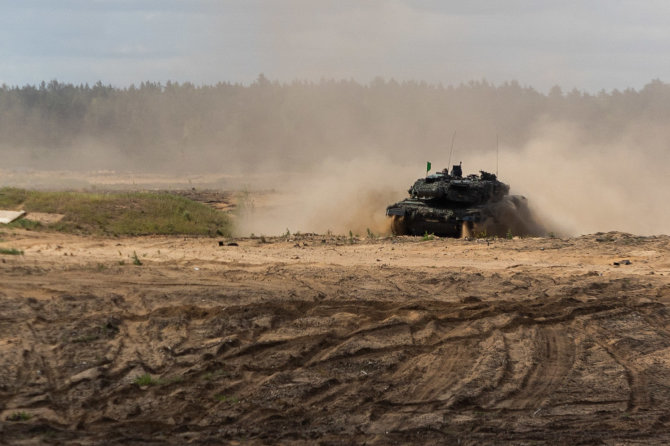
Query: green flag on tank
point(428, 166)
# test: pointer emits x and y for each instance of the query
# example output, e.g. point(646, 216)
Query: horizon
point(589, 46)
point(317, 82)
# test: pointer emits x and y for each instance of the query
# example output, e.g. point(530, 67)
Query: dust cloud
point(337, 196)
point(576, 185)
point(573, 185)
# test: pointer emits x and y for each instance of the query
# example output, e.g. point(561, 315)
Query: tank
point(452, 205)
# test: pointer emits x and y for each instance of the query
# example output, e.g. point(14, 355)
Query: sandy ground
point(316, 340)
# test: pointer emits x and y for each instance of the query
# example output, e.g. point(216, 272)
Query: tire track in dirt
point(553, 357)
point(294, 353)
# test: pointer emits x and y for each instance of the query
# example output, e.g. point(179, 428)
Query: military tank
point(449, 204)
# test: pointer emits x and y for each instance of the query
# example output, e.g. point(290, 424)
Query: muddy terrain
point(334, 340)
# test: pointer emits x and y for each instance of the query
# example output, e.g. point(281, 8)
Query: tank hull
point(415, 217)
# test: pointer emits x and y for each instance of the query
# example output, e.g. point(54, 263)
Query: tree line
point(296, 124)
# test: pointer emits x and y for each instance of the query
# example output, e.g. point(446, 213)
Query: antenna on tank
point(453, 136)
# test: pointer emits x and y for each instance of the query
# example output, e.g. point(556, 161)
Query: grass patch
point(134, 213)
point(11, 251)
point(25, 223)
point(86, 338)
point(227, 399)
point(427, 236)
point(19, 416)
point(146, 380)
point(216, 374)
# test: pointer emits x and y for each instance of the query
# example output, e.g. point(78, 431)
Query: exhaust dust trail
point(336, 196)
point(578, 186)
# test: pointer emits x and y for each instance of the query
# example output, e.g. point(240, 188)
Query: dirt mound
point(333, 341)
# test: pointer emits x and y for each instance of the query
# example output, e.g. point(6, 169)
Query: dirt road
point(317, 340)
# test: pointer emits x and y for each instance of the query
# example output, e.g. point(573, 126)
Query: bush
point(11, 251)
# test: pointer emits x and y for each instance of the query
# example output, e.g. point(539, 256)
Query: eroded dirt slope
point(317, 340)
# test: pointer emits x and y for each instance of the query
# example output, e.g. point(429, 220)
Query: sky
point(590, 45)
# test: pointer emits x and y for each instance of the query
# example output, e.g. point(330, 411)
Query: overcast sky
point(587, 44)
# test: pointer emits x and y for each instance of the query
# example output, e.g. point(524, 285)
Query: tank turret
point(453, 188)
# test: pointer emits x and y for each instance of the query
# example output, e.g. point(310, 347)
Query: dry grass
point(134, 213)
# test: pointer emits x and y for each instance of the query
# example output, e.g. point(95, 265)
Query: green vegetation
point(136, 260)
point(146, 380)
point(19, 416)
point(11, 251)
point(215, 374)
point(427, 236)
point(87, 338)
point(134, 213)
point(25, 223)
point(227, 399)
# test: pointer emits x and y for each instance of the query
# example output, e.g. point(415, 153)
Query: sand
point(314, 339)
